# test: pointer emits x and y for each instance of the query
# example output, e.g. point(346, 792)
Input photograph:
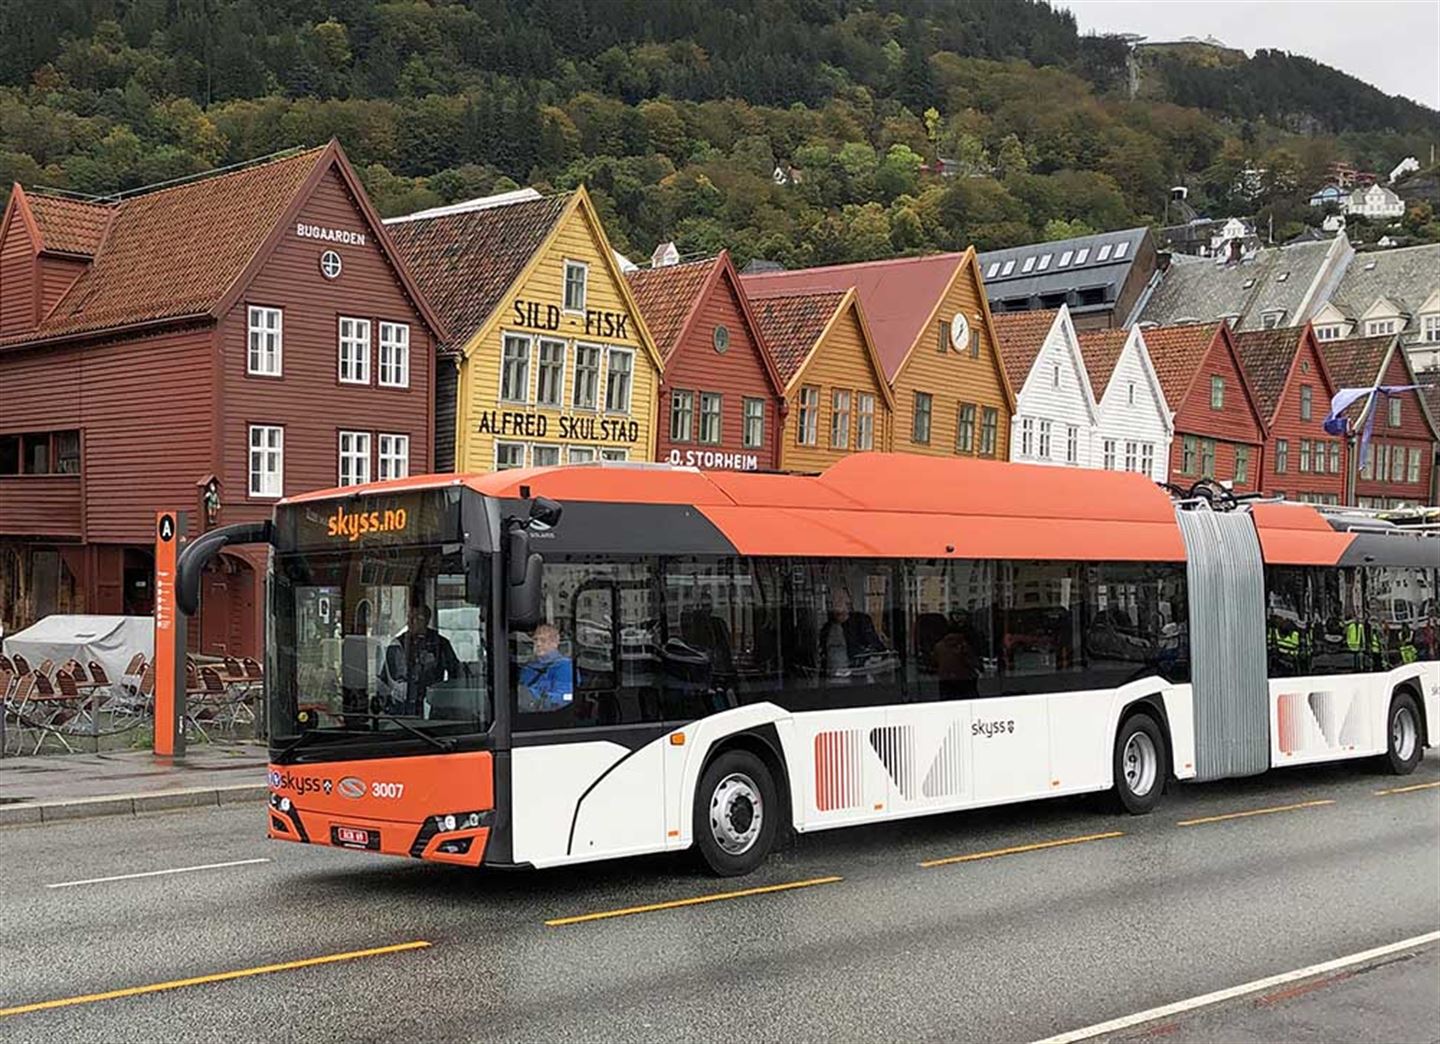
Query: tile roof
point(1101, 350)
point(177, 251)
point(1407, 276)
point(1267, 356)
point(898, 295)
point(1177, 353)
point(69, 226)
point(1020, 336)
point(791, 324)
point(665, 297)
point(465, 262)
point(1355, 362)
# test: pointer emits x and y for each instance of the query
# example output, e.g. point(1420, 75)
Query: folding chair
point(208, 693)
point(47, 667)
point(48, 710)
point(77, 717)
point(6, 664)
point(22, 665)
point(130, 680)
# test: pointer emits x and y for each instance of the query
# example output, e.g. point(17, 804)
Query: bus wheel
point(1140, 764)
point(736, 813)
point(1402, 748)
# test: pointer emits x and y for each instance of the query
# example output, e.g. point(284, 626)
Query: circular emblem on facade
point(330, 265)
point(721, 338)
point(959, 332)
point(352, 787)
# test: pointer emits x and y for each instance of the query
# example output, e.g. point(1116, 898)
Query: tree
point(899, 173)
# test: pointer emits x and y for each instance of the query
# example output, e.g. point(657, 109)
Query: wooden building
point(837, 400)
point(209, 347)
point(548, 358)
point(1293, 388)
point(1135, 426)
point(933, 334)
point(1219, 430)
point(720, 395)
point(1056, 416)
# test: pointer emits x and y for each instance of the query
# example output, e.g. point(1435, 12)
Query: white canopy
point(108, 640)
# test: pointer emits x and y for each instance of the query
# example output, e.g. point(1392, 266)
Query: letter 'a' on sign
point(167, 528)
point(959, 332)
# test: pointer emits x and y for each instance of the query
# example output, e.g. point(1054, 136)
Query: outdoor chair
point(47, 667)
point(47, 710)
point(22, 665)
point(6, 664)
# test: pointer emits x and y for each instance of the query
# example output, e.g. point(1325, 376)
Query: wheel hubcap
point(736, 813)
point(1141, 764)
point(1403, 734)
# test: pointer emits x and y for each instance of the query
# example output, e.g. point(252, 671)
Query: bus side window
point(1289, 638)
point(950, 629)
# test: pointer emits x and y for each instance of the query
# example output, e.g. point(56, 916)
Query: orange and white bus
point(554, 665)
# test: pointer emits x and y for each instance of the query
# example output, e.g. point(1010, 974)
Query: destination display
point(430, 516)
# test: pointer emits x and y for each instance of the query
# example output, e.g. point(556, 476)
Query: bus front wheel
point(1402, 746)
point(1140, 764)
point(736, 813)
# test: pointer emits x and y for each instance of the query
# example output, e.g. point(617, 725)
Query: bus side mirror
point(523, 569)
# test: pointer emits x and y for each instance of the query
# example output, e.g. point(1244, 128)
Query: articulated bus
point(548, 666)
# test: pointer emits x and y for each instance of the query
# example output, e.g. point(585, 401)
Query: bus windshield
point(376, 645)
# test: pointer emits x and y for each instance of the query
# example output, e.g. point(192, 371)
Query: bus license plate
point(355, 837)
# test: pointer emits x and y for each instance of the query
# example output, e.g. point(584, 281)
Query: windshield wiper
point(295, 744)
point(443, 744)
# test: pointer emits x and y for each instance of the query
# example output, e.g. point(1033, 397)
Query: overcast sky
point(1393, 44)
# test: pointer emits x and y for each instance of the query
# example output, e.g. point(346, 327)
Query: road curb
point(32, 812)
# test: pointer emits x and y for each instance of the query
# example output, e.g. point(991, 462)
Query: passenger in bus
point(548, 680)
point(417, 659)
point(957, 659)
point(707, 632)
point(847, 636)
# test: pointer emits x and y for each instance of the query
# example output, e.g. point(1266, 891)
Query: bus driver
point(416, 660)
point(549, 678)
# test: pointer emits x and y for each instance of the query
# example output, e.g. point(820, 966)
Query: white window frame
point(1394, 416)
point(524, 454)
point(1307, 401)
point(353, 458)
point(807, 416)
point(1282, 456)
point(1072, 444)
point(529, 342)
point(752, 413)
point(1065, 259)
point(1328, 332)
point(1242, 464)
point(994, 267)
point(614, 455)
point(393, 370)
point(1430, 329)
point(1103, 254)
point(1132, 455)
point(1217, 392)
point(354, 348)
point(1147, 458)
point(840, 401)
point(596, 372)
point(540, 344)
point(584, 270)
point(1121, 249)
point(1044, 262)
point(864, 421)
point(1027, 436)
point(682, 415)
point(1081, 255)
point(271, 454)
point(1108, 455)
point(580, 455)
point(704, 416)
point(1412, 465)
point(1304, 456)
point(1028, 265)
point(1130, 394)
point(392, 456)
point(1009, 267)
point(610, 353)
point(264, 359)
point(1043, 443)
point(547, 448)
point(1381, 327)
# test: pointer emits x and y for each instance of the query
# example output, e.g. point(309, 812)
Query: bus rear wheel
point(1403, 750)
point(736, 813)
point(1141, 764)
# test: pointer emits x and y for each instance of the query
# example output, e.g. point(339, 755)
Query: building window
point(974, 342)
point(989, 430)
point(617, 380)
point(544, 456)
point(509, 455)
point(1009, 267)
point(1430, 329)
point(920, 430)
point(1082, 255)
point(1397, 463)
point(1027, 436)
point(40, 453)
point(1412, 469)
point(1207, 458)
point(1044, 262)
point(393, 458)
point(1328, 332)
point(1380, 327)
point(580, 455)
point(1189, 454)
point(1132, 456)
point(1104, 253)
point(267, 460)
point(1242, 464)
point(807, 417)
point(840, 419)
point(1147, 458)
point(1130, 393)
point(965, 428)
point(1367, 462)
point(1065, 258)
point(1045, 446)
point(550, 373)
point(711, 408)
point(266, 337)
point(1394, 407)
point(1334, 458)
point(1217, 393)
point(1304, 456)
point(515, 369)
point(354, 457)
point(575, 277)
point(395, 355)
point(682, 414)
point(587, 376)
point(615, 456)
point(354, 351)
point(1271, 320)
point(1055, 375)
point(864, 421)
point(1282, 456)
point(1108, 454)
point(1028, 265)
point(1072, 444)
point(753, 428)
point(1307, 401)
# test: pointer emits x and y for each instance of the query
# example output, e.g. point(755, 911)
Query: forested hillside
point(677, 112)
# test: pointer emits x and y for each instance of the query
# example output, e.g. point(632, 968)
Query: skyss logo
point(298, 784)
point(992, 728)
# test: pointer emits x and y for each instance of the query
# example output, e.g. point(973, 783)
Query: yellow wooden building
point(836, 398)
point(550, 360)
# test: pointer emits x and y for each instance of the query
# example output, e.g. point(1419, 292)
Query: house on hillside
point(1332, 195)
point(1135, 427)
point(721, 397)
point(1219, 429)
point(1293, 388)
point(932, 331)
point(1389, 292)
point(206, 347)
point(1374, 201)
point(1055, 411)
point(1102, 279)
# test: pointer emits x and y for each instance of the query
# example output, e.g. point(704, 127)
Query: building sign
point(537, 426)
point(595, 322)
point(714, 459)
point(329, 235)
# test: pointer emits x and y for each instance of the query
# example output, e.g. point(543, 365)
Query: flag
point(1337, 424)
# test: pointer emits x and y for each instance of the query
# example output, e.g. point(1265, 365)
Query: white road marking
point(1150, 1015)
point(156, 873)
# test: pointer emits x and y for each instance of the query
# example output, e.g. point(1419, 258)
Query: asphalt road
point(1012, 947)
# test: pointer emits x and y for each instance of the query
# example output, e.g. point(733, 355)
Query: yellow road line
point(696, 901)
point(1406, 790)
point(971, 857)
point(200, 980)
point(1254, 812)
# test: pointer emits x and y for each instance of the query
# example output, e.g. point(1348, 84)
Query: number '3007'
point(387, 790)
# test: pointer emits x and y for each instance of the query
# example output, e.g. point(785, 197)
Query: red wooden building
point(721, 400)
point(1219, 430)
point(206, 347)
point(1399, 468)
point(1293, 388)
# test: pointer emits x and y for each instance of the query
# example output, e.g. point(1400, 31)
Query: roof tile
point(1268, 356)
point(1020, 336)
point(665, 297)
point(1177, 353)
point(791, 324)
point(1101, 350)
point(69, 226)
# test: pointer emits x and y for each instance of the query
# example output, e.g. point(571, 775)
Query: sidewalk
point(72, 786)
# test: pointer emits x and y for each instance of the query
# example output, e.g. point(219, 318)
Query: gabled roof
point(1268, 357)
point(1357, 361)
point(1101, 350)
point(792, 325)
point(1020, 336)
point(1177, 353)
point(1408, 277)
point(899, 295)
point(69, 226)
point(466, 261)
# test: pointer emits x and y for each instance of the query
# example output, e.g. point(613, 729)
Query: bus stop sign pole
point(170, 527)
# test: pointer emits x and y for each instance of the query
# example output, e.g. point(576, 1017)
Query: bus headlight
point(449, 823)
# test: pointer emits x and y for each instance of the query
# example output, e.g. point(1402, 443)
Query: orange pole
point(169, 656)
